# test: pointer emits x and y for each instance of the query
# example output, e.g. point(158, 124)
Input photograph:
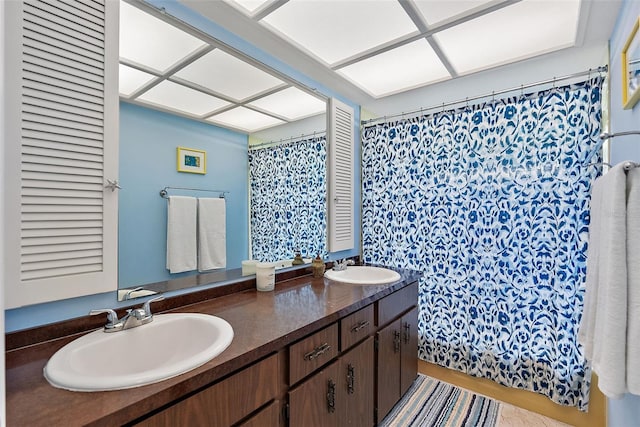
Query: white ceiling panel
point(228, 75)
point(177, 97)
point(435, 11)
point(131, 79)
point(152, 42)
point(335, 30)
point(291, 103)
point(522, 30)
point(244, 119)
point(382, 75)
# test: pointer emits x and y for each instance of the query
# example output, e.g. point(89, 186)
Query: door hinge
point(375, 343)
point(285, 412)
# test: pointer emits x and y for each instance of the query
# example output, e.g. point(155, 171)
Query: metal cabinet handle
point(331, 396)
point(359, 326)
point(318, 351)
point(396, 341)
point(407, 332)
point(351, 379)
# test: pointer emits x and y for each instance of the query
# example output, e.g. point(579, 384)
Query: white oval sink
point(363, 275)
point(170, 345)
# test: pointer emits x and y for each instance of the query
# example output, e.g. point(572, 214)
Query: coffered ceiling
point(365, 49)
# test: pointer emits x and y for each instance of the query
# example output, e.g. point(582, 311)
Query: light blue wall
point(148, 141)
point(623, 412)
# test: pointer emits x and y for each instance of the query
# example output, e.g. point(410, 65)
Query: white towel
point(633, 280)
point(181, 234)
point(604, 320)
point(212, 234)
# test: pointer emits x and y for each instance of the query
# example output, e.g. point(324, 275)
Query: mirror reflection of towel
point(212, 234)
point(181, 234)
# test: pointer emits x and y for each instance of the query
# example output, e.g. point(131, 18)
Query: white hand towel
point(633, 280)
point(212, 234)
point(604, 320)
point(181, 234)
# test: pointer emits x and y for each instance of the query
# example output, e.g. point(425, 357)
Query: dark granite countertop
point(263, 322)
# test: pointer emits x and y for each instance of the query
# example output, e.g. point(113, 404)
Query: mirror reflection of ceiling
point(165, 67)
point(386, 47)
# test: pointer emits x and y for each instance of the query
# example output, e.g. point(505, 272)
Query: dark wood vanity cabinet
point(336, 377)
point(361, 382)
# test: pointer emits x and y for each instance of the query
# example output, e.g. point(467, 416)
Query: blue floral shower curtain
point(288, 199)
point(491, 202)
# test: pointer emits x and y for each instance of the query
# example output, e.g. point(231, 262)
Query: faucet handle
point(112, 317)
point(146, 307)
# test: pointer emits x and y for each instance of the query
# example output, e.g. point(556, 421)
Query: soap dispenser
point(317, 267)
point(298, 259)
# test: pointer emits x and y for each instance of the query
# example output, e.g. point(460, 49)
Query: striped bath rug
point(432, 403)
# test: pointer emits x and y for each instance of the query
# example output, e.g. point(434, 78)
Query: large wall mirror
point(179, 87)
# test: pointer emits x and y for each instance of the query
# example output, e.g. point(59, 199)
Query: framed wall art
point(191, 160)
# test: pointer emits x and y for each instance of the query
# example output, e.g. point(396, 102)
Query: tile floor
point(512, 416)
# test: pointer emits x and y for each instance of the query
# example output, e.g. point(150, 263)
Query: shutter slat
point(59, 272)
point(68, 247)
point(62, 185)
point(60, 193)
point(51, 129)
point(37, 134)
point(59, 201)
point(57, 149)
point(39, 175)
point(55, 225)
point(58, 108)
point(73, 12)
point(61, 240)
point(62, 75)
point(61, 208)
point(35, 90)
point(61, 216)
point(67, 232)
point(31, 259)
point(80, 165)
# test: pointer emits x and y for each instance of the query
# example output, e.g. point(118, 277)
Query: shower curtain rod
point(554, 80)
point(285, 140)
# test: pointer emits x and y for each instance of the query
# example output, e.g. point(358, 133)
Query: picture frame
point(191, 160)
point(631, 68)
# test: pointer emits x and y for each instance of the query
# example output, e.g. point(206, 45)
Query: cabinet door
point(409, 352)
point(388, 387)
point(318, 401)
point(357, 384)
point(61, 133)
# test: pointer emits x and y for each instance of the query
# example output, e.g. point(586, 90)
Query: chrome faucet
point(134, 317)
point(342, 265)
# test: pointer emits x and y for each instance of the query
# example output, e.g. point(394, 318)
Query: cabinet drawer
point(225, 402)
point(312, 352)
point(356, 327)
point(397, 303)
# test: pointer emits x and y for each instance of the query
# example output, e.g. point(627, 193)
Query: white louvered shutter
point(340, 176)
point(66, 149)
